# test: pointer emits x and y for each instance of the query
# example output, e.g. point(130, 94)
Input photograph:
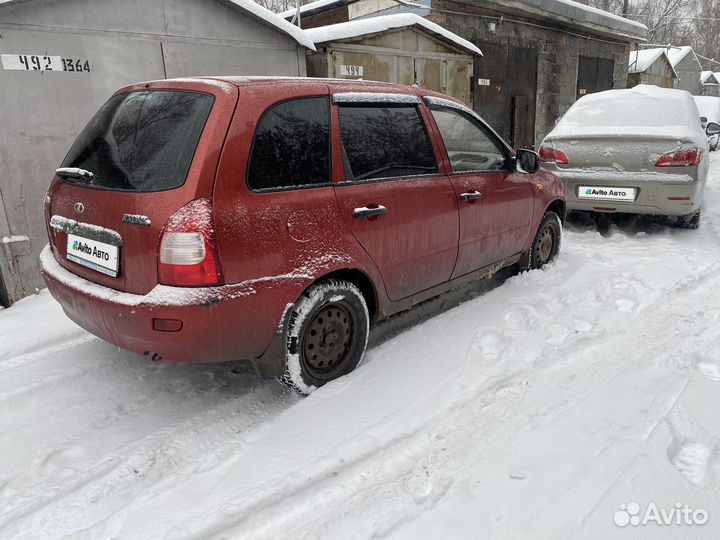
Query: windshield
point(141, 141)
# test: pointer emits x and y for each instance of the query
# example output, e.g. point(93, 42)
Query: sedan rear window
point(141, 141)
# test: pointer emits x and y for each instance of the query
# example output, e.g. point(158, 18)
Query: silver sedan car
point(638, 151)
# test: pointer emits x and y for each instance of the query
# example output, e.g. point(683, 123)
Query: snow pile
point(384, 23)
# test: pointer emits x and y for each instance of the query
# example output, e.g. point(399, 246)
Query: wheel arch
point(559, 207)
point(362, 281)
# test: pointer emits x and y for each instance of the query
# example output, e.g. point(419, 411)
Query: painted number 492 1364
point(43, 62)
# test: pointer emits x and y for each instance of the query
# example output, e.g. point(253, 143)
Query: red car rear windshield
point(141, 141)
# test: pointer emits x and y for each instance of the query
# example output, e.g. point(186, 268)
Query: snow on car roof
point(641, 60)
point(645, 109)
point(374, 25)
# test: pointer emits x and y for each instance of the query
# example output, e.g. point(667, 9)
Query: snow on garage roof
point(275, 20)
point(708, 77)
point(641, 60)
point(566, 11)
point(259, 12)
point(383, 23)
point(676, 54)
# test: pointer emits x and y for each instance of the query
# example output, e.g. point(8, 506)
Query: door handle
point(470, 196)
point(365, 212)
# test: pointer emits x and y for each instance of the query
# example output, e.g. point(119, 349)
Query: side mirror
point(703, 120)
point(527, 161)
point(712, 128)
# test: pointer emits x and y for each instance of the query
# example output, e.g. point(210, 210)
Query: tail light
point(688, 157)
point(188, 252)
point(549, 154)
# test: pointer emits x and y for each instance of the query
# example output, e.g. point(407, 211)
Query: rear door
point(496, 203)
point(394, 200)
point(151, 150)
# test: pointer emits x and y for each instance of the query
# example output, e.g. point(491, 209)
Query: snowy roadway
point(534, 410)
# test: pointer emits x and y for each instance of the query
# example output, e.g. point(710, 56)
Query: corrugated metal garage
point(61, 59)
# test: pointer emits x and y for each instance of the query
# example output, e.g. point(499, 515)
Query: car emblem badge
point(136, 219)
point(79, 207)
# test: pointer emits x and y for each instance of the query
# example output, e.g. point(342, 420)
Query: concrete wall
point(558, 56)
point(558, 51)
point(41, 112)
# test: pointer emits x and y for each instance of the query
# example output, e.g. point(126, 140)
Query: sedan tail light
point(548, 154)
point(688, 157)
point(188, 253)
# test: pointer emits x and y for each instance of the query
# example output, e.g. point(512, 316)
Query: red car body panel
point(273, 245)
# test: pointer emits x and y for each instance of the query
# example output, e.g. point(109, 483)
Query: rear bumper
point(657, 197)
point(232, 322)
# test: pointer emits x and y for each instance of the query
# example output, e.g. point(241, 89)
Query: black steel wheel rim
point(546, 244)
point(330, 340)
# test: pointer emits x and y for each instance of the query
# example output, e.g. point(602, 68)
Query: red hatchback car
point(273, 220)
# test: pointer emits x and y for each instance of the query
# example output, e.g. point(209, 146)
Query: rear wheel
point(546, 243)
point(326, 335)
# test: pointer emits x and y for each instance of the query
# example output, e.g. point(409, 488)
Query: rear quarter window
point(141, 141)
point(292, 146)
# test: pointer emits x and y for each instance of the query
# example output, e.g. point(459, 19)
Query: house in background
point(650, 66)
point(400, 48)
point(709, 83)
point(539, 56)
point(62, 60)
point(688, 68)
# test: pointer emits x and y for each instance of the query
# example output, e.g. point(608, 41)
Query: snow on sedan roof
point(383, 23)
point(645, 109)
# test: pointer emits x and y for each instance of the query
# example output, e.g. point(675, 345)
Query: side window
point(384, 141)
point(292, 145)
point(469, 145)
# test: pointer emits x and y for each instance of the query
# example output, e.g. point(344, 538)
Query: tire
point(326, 335)
point(689, 222)
point(546, 244)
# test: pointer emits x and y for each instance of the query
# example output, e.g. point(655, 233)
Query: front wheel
point(326, 336)
point(546, 243)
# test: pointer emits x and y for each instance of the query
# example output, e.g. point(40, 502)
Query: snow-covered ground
point(534, 410)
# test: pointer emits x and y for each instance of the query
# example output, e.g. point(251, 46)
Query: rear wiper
point(74, 172)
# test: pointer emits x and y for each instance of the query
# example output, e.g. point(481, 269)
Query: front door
point(399, 207)
point(496, 203)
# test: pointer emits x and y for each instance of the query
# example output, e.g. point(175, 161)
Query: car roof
point(335, 85)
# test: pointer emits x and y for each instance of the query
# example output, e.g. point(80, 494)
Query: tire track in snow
point(189, 446)
point(412, 459)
